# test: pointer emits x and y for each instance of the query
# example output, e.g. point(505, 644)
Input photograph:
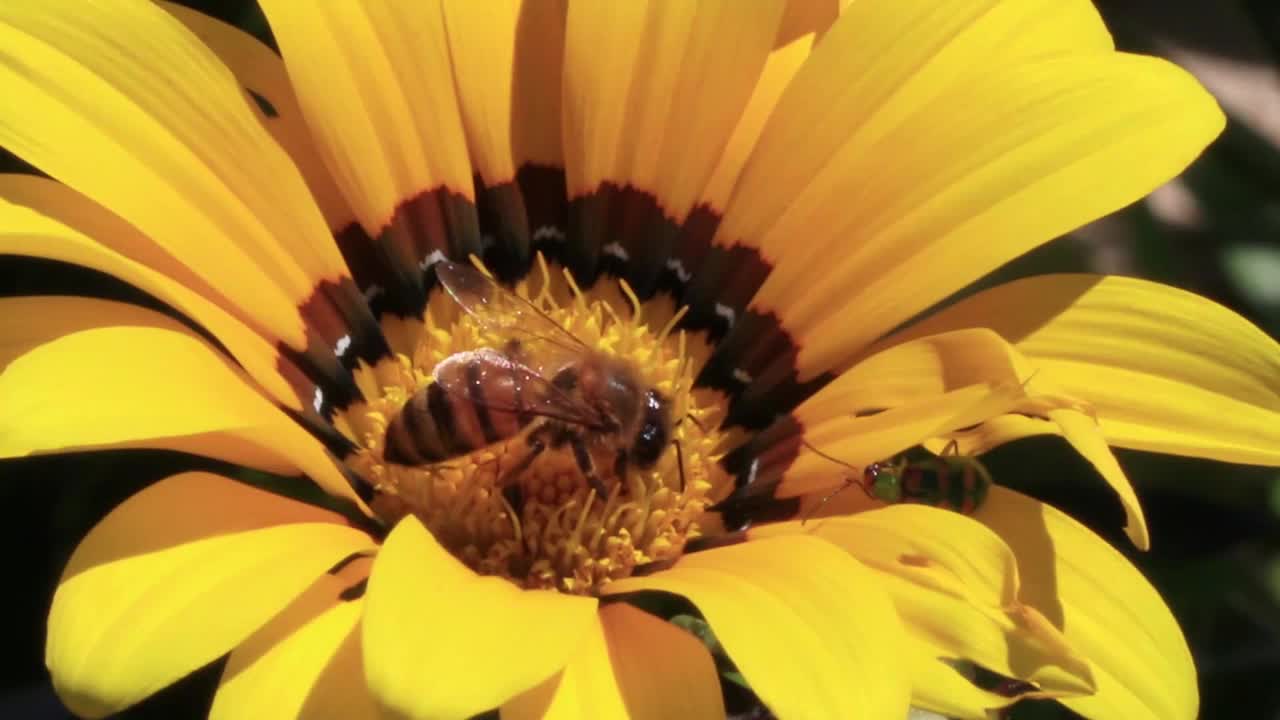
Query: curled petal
point(1104, 608)
point(956, 586)
point(1183, 376)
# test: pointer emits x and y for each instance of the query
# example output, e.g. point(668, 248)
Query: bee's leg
point(536, 447)
point(952, 448)
point(587, 465)
point(680, 462)
point(620, 465)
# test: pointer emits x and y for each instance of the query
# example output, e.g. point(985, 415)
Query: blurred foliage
point(1215, 527)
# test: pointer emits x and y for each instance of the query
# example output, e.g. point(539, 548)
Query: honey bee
point(949, 480)
point(544, 384)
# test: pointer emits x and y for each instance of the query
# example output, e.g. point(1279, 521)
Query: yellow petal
point(28, 322)
point(538, 62)
point(651, 93)
point(433, 629)
point(804, 17)
point(833, 642)
point(915, 366)
point(485, 40)
point(45, 219)
point(1104, 607)
point(374, 82)
point(176, 576)
point(662, 671)
point(953, 200)
point(1166, 370)
point(482, 45)
point(955, 583)
point(780, 67)
point(630, 665)
point(914, 370)
point(1079, 429)
point(878, 63)
point(859, 441)
point(1084, 435)
point(939, 687)
point(129, 386)
point(261, 72)
point(305, 662)
point(586, 687)
point(169, 144)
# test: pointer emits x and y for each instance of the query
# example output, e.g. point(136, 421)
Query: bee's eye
point(655, 431)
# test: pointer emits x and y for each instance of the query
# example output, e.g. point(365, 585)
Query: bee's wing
point(500, 310)
point(502, 383)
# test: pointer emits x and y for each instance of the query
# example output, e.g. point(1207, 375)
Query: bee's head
point(654, 430)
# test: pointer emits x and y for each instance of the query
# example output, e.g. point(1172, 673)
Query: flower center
point(561, 473)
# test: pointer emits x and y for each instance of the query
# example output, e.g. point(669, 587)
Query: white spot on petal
point(727, 313)
point(742, 376)
point(548, 232)
point(318, 401)
point(344, 344)
point(435, 257)
point(676, 266)
point(613, 249)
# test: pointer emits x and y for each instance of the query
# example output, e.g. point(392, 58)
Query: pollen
point(581, 485)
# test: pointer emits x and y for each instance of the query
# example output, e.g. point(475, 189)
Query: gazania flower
point(672, 450)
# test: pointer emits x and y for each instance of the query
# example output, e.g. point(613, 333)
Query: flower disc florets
point(533, 517)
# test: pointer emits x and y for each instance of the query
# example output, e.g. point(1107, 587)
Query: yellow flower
point(798, 185)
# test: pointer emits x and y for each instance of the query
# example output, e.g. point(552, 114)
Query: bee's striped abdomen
point(436, 425)
point(423, 432)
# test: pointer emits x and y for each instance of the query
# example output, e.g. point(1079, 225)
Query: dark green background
point(1215, 527)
